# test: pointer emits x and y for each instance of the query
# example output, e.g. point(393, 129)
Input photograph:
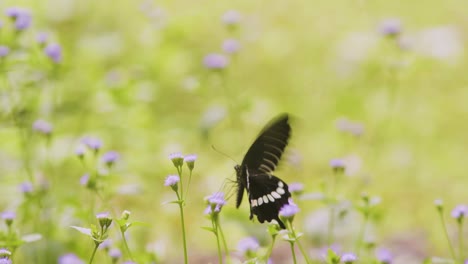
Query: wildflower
point(21, 17)
point(54, 52)
point(390, 27)
point(172, 181)
point(70, 258)
point(216, 201)
point(104, 219)
point(348, 258)
point(384, 256)
point(110, 157)
point(115, 254)
point(42, 37)
point(92, 143)
point(215, 61)
point(126, 214)
point(8, 217)
point(190, 161)
point(247, 246)
point(337, 164)
point(231, 46)
point(26, 187)
point(231, 18)
point(288, 211)
point(296, 187)
point(439, 204)
point(80, 151)
point(4, 51)
point(106, 245)
point(84, 180)
point(42, 126)
point(459, 212)
point(177, 159)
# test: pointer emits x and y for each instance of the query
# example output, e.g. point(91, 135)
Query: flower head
point(177, 159)
point(42, 126)
point(115, 254)
point(21, 17)
point(288, 211)
point(84, 180)
point(215, 201)
point(4, 51)
point(247, 246)
point(8, 217)
point(348, 258)
point(215, 61)
point(110, 157)
point(384, 256)
point(439, 204)
point(296, 187)
point(390, 27)
point(459, 212)
point(104, 219)
point(92, 143)
point(231, 18)
point(80, 151)
point(126, 214)
point(172, 181)
point(26, 187)
point(231, 46)
point(190, 161)
point(70, 258)
point(54, 52)
point(337, 164)
point(42, 37)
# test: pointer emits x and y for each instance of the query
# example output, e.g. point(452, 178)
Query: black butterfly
point(267, 193)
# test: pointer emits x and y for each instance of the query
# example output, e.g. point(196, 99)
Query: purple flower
point(21, 17)
point(288, 211)
point(348, 258)
point(42, 126)
point(84, 180)
point(459, 211)
point(8, 216)
point(439, 203)
point(106, 244)
point(190, 161)
point(390, 27)
point(247, 245)
point(26, 187)
point(70, 258)
point(215, 61)
point(231, 46)
point(231, 18)
point(80, 151)
point(4, 51)
point(177, 159)
point(337, 164)
point(216, 201)
point(171, 180)
point(42, 37)
point(92, 143)
point(54, 52)
point(104, 219)
point(110, 157)
point(115, 253)
point(296, 187)
point(384, 256)
point(5, 261)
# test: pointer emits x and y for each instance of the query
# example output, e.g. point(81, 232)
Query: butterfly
point(266, 192)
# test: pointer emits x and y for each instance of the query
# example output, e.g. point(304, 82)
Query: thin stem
point(296, 239)
point(179, 171)
point(96, 245)
point(291, 243)
point(126, 245)
point(181, 208)
point(331, 222)
point(222, 236)
point(188, 184)
point(361, 234)
point(270, 248)
point(460, 239)
point(444, 226)
point(215, 231)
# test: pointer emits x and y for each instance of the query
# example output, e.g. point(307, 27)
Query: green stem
point(126, 245)
point(188, 184)
point(460, 239)
point(96, 245)
point(291, 243)
point(270, 248)
point(303, 252)
point(215, 231)
point(361, 234)
point(444, 226)
point(222, 236)
point(179, 171)
point(181, 208)
point(331, 222)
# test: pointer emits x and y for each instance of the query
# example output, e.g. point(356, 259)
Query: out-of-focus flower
point(296, 187)
point(390, 27)
point(80, 151)
point(110, 157)
point(84, 180)
point(288, 211)
point(384, 256)
point(348, 258)
point(231, 18)
point(248, 245)
point(337, 164)
point(54, 52)
point(215, 61)
point(115, 254)
point(4, 51)
point(92, 143)
point(42, 126)
point(8, 217)
point(190, 161)
point(439, 204)
point(70, 258)
point(104, 219)
point(231, 46)
point(21, 17)
point(216, 201)
point(42, 37)
point(460, 211)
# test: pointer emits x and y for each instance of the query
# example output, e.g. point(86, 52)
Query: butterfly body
point(266, 192)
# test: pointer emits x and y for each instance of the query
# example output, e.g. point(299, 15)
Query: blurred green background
point(132, 74)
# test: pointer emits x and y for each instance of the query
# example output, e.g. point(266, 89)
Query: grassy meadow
point(99, 97)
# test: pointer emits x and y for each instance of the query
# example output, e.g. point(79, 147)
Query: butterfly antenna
point(222, 153)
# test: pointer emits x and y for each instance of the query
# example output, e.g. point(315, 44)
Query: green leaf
point(31, 237)
point(209, 229)
point(86, 231)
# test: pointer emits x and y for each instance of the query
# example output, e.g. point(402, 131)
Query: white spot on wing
point(276, 195)
point(280, 190)
point(260, 201)
point(265, 199)
point(280, 184)
point(270, 198)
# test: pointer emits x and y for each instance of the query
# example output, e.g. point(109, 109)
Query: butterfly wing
point(266, 196)
point(266, 151)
